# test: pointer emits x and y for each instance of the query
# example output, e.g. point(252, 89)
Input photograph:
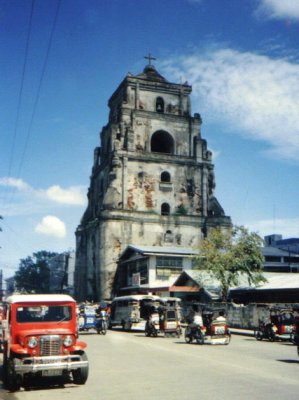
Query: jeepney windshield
point(44, 313)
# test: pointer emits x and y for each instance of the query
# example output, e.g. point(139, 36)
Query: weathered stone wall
point(126, 191)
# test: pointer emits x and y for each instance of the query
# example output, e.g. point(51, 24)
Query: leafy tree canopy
point(229, 255)
point(33, 275)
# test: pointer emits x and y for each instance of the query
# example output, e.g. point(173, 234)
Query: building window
point(272, 259)
point(166, 266)
point(168, 237)
point(135, 267)
point(162, 142)
point(165, 176)
point(160, 105)
point(165, 209)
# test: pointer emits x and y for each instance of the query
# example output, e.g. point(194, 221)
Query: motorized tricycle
point(87, 318)
point(213, 330)
point(164, 320)
point(217, 329)
point(278, 325)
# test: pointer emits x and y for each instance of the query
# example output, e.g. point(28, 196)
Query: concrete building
point(150, 269)
point(62, 269)
point(152, 181)
point(281, 255)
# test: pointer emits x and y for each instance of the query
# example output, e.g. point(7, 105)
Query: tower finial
point(150, 58)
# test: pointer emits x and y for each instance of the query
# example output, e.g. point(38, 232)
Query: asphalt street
point(130, 366)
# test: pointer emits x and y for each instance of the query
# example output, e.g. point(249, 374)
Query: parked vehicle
point(131, 312)
point(279, 325)
point(40, 340)
point(87, 317)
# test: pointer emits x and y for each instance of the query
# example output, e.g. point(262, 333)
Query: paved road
point(130, 366)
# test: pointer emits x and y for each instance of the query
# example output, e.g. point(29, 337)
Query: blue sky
point(62, 60)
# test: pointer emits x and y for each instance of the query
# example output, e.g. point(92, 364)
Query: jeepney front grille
point(50, 345)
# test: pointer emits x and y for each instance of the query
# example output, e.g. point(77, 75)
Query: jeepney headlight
point(68, 341)
point(32, 342)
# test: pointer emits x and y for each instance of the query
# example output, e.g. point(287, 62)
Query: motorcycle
point(101, 325)
point(195, 332)
point(266, 331)
point(152, 325)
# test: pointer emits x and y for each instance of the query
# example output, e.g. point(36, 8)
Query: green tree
point(230, 255)
point(33, 275)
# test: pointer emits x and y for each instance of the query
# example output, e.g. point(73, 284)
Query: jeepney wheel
point(12, 380)
point(298, 350)
point(80, 375)
point(188, 336)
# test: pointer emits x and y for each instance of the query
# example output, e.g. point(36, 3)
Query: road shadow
point(289, 361)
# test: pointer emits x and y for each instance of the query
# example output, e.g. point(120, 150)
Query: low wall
point(246, 317)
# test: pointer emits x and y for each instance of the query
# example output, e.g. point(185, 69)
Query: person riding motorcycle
point(151, 328)
point(194, 329)
point(101, 315)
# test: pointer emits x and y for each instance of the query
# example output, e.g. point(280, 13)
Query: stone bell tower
point(152, 181)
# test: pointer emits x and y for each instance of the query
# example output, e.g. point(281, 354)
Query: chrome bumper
point(35, 364)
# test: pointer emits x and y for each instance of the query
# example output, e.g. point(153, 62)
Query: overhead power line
point(39, 88)
point(21, 90)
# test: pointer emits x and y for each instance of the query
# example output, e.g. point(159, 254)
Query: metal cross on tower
point(150, 58)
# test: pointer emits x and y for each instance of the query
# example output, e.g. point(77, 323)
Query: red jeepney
point(40, 340)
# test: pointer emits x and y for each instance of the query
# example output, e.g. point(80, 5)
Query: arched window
point(162, 142)
point(168, 237)
point(160, 105)
point(165, 177)
point(165, 209)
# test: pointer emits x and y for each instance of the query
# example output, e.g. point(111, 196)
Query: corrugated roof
point(164, 250)
point(276, 280)
point(286, 280)
point(274, 251)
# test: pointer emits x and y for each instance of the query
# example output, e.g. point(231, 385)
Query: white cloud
point(14, 183)
point(73, 195)
point(278, 9)
point(251, 94)
point(51, 226)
